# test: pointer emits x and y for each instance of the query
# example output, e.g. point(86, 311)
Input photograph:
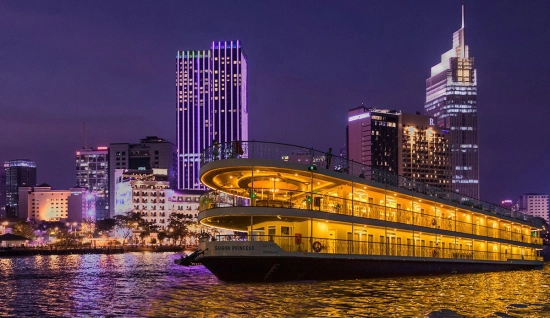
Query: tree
point(133, 222)
point(66, 238)
point(161, 236)
point(125, 225)
point(146, 228)
point(88, 227)
point(178, 227)
point(24, 229)
point(104, 226)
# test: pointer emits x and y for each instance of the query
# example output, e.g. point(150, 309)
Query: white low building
point(149, 193)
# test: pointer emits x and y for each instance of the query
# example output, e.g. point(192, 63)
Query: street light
point(4, 224)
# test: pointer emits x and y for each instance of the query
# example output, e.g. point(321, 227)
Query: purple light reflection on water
point(150, 284)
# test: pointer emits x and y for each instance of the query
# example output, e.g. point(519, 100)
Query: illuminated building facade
point(149, 193)
point(151, 153)
point(451, 97)
point(425, 155)
point(534, 204)
point(19, 173)
point(92, 172)
point(406, 144)
point(211, 89)
point(46, 204)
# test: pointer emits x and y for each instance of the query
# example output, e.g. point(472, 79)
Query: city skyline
point(382, 62)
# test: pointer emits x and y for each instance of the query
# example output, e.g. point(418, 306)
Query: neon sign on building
point(357, 117)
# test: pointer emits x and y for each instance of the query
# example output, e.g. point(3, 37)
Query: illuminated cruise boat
point(300, 214)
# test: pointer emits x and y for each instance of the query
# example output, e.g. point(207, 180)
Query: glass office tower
point(211, 89)
point(19, 173)
point(451, 97)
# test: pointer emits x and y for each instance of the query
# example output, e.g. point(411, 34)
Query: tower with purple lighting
point(211, 92)
point(451, 97)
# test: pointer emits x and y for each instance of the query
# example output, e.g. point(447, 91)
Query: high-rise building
point(19, 173)
point(406, 144)
point(426, 155)
point(535, 204)
point(2, 193)
point(451, 97)
point(92, 172)
point(211, 91)
point(151, 153)
point(373, 137)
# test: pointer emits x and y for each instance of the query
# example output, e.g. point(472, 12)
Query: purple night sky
point(112, 65)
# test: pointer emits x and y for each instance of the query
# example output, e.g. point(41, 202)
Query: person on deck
point(329, 157)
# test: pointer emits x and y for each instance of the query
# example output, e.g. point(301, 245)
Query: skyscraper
point(451, 97)
point(406, 144)
point(19, 173)
point(373, 137)
point(211, 89)
point(2, 193)
point(92, 173)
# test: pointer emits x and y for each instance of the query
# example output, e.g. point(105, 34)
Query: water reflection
point(149, 284)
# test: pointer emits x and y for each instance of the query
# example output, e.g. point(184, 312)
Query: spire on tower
point(463, 40)
point(463, 16)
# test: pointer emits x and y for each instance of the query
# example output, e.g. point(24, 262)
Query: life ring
point(317, 247)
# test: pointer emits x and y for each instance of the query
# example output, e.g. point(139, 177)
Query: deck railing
point(331, 204)
point(324, 160)
point(349, 247)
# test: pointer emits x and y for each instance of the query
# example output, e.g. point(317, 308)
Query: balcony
point(327, 203)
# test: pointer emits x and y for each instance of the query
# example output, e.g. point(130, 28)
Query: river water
point(150, 285)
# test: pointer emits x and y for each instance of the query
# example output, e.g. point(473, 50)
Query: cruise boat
point(302, 214)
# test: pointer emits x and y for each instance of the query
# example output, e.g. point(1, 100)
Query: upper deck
point(286, 176)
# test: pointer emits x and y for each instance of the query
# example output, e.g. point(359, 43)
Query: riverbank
point(29, 251)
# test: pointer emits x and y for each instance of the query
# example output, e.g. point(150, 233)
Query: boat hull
point(287, 268)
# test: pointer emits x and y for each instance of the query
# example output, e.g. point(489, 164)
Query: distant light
point(102, 148)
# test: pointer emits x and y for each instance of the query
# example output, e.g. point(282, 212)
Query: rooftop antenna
point(85, 137)
point(463, 49)
point(463, 16)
